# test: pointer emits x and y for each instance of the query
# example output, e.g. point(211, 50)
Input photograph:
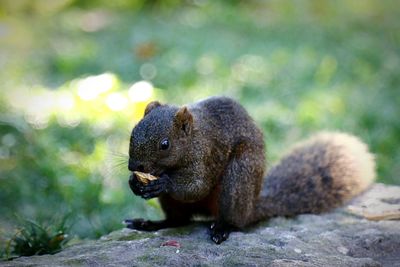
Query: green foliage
point(32, 238)
point(67, 102)
point(66, 164)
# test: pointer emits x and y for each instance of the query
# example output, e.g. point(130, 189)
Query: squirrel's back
point(226, 120)
point(318, 174)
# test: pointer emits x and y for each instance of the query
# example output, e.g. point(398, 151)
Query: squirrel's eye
point(164, 144)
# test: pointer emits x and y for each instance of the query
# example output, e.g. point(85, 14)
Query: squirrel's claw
point(154, 188)
point(219, 232)
point(152, 194)
point(142, 225)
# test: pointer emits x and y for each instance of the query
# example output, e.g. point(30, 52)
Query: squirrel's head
point(160, 140)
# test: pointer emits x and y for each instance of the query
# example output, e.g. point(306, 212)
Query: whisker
point(118, 154)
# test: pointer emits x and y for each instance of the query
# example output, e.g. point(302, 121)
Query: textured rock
point(378, 206)
point(333, 239)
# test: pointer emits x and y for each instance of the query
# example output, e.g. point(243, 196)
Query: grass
point(67, 102)
point(32, 238)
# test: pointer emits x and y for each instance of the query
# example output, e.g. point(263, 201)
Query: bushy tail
point(317, 175)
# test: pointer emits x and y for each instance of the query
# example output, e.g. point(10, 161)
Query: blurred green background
point(76, 76)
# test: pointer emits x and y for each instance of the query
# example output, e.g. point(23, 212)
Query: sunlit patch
point(65, 101)
point(68, 120)
point(69, 104)
point(38, 121)
point(36, 104)
point(141, 91)
point(116, 101)
point(92, 86)
point(38, 112)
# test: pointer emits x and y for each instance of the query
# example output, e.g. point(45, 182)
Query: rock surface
point(338, 238)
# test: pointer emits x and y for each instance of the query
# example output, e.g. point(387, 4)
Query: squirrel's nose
point(134, 165)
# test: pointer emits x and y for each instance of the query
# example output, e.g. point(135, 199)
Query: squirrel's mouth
point(155, 171)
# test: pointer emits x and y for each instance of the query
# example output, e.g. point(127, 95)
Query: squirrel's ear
point(151, 106)
point(184, 120)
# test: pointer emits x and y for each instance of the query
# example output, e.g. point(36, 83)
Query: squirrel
point(210, 160)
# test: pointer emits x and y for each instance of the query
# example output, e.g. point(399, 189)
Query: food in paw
point(145, 178)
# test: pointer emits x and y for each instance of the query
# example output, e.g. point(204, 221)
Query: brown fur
point(216, 163)
point(317, 175)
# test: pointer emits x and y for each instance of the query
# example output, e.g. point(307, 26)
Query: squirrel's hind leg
point(241, 185)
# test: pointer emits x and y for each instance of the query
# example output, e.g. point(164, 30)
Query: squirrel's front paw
point(140, 224)
point(135, 185)
point(152, 189)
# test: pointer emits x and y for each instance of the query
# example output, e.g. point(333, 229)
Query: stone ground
point(339, 238)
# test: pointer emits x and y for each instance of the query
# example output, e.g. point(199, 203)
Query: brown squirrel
point(210, 160)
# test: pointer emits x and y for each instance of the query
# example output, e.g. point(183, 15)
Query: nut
point(145, 178)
